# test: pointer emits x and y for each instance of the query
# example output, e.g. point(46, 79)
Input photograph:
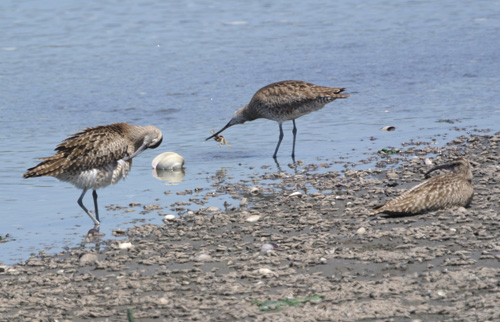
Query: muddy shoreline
point(297, 236)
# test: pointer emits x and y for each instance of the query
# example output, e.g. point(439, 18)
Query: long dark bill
point(217, 133)
point(444, 166)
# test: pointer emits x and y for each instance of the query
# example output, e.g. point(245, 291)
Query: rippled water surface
point(185, 66)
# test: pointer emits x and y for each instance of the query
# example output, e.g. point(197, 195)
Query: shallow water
point(186, 66)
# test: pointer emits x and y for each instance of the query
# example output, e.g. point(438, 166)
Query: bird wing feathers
point(92, 148)
point(436, 193)
point(289, 96)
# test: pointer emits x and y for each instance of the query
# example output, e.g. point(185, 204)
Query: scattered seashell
point(253, 218)
point(388, 128)
point(361, 231)
point(268, 247)
point(254, 190)
point(203, 258)
point(323, 260)
point(125, 245)
point(441, 293)
point(119, 232)
point(265, 271)
point(169, 217)
point(428, 161)
point(296, 193)
point(163, 301)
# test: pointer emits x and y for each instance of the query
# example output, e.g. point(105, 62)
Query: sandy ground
point(295, 237)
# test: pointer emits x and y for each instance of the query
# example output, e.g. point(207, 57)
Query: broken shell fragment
point(268, 247)
point(388, 128)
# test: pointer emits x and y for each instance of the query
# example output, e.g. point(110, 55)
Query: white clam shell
point(168, 161)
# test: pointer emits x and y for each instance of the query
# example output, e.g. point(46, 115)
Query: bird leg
point(94, 194)
point(278, 165)
point(294, 131)
point(279, 141)
point(80, 203)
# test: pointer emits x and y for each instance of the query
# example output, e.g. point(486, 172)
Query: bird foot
point(94, 232)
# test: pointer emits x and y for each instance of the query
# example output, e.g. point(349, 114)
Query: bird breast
point(96, 178)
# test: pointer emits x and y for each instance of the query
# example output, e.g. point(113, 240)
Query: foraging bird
point(284, 101)
point(439, 192)
point(97, 157)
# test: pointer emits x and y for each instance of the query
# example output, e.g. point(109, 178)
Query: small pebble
point(88, 259)
point(212, 210)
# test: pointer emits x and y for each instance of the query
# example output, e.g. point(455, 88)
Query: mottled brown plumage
point(284, 101)
point(97, 157)
point(439, 192)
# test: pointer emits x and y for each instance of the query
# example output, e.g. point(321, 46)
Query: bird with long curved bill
point(97, 157)
point(440, 192)
point(284, 101)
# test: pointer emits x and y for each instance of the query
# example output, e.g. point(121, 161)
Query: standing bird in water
point(439, 192)
point(97, 157)
point(284, 101)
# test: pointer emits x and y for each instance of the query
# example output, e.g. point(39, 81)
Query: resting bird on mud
point(284, 101)
point(97, 157)
point(439, 192)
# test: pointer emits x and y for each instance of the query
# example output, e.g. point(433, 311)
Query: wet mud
point(294, 245)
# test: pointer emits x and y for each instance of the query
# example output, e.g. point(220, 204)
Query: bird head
point(239, 117)
point(459, 166)
point(153, 137)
